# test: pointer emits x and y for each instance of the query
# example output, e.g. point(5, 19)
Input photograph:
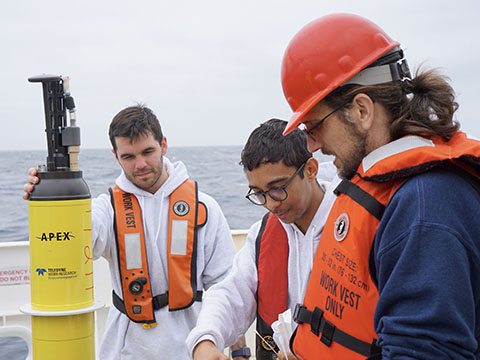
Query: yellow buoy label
point(61, 266)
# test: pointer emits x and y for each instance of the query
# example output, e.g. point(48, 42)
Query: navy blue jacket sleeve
point(427, 260)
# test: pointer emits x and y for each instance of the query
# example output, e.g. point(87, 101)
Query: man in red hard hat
point(397, 271)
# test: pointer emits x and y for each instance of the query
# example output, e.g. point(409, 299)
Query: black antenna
point(62, 139)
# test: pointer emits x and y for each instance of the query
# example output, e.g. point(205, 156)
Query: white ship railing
point(15, 291)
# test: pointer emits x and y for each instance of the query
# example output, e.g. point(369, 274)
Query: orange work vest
point(271, 252)
point(336, 318)
point(186, 215)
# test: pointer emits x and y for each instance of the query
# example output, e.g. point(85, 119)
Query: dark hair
point(134, 121)
point(422, 106)
point(266, 144)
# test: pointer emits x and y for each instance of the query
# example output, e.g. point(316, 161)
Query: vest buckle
point(296, 313)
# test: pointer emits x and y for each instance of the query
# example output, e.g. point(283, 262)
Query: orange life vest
point(186, 215)
point(271, 252)
point(336, 318)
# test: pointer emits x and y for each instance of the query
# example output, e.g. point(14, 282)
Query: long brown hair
point(424, 105)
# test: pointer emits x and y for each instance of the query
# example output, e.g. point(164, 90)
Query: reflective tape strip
point(393, 148)
point(179, 237)
point(372, 76)
point(133, 251)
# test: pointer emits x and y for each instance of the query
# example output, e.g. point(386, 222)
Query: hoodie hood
point(177, 174)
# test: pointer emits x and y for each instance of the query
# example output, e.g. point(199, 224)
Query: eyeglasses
point(277, 193)
point(309, 132)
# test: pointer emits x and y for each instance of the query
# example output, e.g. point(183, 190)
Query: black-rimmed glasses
point(307, 131)
point(277, 193)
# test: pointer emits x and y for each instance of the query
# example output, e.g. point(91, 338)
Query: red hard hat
point(324, 54)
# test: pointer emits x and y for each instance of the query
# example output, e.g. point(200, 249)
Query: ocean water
point(216, 170)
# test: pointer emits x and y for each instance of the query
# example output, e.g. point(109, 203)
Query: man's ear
point(362, 111)
point(115, 154)
point(311, 168)
point(164, 145)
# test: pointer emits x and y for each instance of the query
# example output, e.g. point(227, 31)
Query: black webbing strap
point(372, 205)
point(330, 333)
point(158, 301)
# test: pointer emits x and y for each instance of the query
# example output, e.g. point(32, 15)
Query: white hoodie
point(229, 308)
point(124, 339)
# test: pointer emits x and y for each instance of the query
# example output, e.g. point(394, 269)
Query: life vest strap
point(158, 301)
point(330, 332)
point(372, 205)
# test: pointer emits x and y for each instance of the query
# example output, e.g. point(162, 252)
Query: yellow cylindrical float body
point(63, 337)
point(61, 267)
point(61, 255)
point(61, 263)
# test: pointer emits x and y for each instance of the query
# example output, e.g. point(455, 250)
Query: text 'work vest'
point(336, 318)
point(186, 214)
point(271, 251)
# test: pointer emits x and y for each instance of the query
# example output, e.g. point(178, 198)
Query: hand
point(206, 350)
point(32, 179)
point(290, 356)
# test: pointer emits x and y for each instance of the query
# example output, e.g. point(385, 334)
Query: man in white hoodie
point(271, 271)
point(143, 329)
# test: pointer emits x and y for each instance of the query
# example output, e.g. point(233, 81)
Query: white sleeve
point(229, 307)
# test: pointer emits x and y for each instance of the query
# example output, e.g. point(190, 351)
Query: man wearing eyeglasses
point(271, 271)
point(397, 271)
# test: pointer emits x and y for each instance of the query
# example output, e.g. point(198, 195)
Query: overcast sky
point(210, 70)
